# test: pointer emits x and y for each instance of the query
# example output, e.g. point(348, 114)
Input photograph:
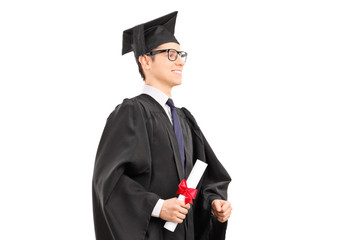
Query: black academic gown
point(138, 162)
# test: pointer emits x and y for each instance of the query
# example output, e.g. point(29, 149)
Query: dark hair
point(141, 71)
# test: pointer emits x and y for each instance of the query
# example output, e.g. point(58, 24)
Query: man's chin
point(177, 82)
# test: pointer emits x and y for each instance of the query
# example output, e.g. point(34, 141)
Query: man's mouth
point(177, 71)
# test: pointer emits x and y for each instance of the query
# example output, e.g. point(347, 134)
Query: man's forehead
point(171, 45)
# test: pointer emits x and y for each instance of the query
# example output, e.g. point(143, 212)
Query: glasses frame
point(179, 53)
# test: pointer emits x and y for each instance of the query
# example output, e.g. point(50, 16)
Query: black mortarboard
point(147, 36)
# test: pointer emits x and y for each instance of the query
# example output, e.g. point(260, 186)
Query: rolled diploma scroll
point(192, 182)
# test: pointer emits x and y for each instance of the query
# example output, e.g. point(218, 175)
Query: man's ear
point(145, 62)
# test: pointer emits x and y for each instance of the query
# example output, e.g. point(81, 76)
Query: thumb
point(217, 205)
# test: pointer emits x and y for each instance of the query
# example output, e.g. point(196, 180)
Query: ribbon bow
point(189, 193)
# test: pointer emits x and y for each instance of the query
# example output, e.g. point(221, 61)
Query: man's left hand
point(221, 209)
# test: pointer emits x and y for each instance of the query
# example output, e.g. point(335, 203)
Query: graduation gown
point(138, 162)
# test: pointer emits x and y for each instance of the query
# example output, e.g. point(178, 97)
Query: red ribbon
point(189, 193)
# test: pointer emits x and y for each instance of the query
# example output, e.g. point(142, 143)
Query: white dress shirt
point(161, 98)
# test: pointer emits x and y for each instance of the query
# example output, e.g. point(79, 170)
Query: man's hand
point(174, 210)
point(221, 209)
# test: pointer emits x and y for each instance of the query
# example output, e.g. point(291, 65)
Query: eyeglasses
point(172, 54)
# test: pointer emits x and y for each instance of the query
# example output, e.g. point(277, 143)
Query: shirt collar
point(155, 93)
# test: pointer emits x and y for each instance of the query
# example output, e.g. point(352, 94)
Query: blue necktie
point(178, 132)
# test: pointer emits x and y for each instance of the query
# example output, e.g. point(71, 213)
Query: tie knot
point(170, 103)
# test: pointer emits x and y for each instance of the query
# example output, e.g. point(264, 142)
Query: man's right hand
point(174, 210)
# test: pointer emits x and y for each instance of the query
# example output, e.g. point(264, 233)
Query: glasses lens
point(172, 54)
point(183, 56)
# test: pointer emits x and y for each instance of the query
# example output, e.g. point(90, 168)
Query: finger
point(224, 215)
point(222, 220)
point(219, 214)
point(180, 203)
point(225, 206)
point(217, 205)
point(183, 211)
point(227, 213)
point(183, 205)
point(181, 216)
point(177, 220)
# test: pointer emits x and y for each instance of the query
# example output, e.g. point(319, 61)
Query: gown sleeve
point(214, 185)
point(122, 205)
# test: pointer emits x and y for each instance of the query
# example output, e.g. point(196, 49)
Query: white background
point(274, 86)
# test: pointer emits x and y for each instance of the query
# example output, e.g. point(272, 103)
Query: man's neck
point(164, 89)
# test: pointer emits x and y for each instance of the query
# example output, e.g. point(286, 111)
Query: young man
point(149, 146)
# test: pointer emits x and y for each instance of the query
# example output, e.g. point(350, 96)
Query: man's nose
point(179, 61)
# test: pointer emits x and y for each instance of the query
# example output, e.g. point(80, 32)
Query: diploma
point(192, 182)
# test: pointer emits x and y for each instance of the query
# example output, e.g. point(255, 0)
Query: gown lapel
point(188, 143)
point(171, 134)
point(174, 146)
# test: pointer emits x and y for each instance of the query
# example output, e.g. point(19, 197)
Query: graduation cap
point(145, 37)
